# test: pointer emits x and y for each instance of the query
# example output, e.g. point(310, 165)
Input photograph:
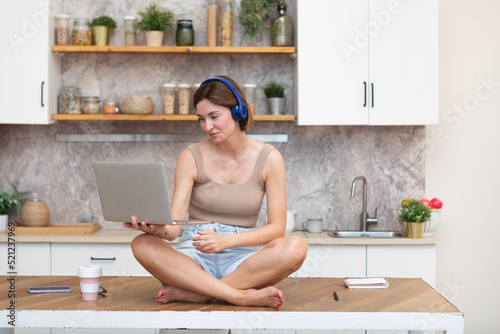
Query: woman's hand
point(209, 242)
point(152, 229)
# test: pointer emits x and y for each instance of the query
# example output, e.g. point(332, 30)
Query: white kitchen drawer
point(115, 259)
point(334, 261)
point(29, 258)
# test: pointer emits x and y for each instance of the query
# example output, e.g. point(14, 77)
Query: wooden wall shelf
point(126, 117)
point(176, 49)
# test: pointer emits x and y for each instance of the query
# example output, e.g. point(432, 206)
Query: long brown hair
point(218, 93)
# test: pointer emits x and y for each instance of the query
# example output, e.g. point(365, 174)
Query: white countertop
point(126, 236)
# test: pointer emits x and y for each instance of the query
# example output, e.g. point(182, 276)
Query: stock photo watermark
point(11, 273)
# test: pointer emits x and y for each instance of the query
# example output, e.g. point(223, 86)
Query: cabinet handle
point(364, 83)
point(102, 258)
point(373, 96)
point(42, 95)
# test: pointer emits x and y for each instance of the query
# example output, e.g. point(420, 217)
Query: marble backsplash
point(321, 163)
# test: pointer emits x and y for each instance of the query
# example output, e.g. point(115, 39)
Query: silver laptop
point(137, 189)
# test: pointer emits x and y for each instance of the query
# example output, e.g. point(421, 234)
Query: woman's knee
point(295, 249)
point(142, 245)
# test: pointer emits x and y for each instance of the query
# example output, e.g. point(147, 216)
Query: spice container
point(195, 88)
point(91, 105)
point(212, 13)
point(249, 91)
point(62, 29)
point(69, 100)
point(185, 33)
point(129, 21)
point(184, 97)
point(110, 106)
point(168, 98)
point(81, 31)
point(226, 23)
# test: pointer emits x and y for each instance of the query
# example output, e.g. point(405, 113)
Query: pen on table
point(335, 295)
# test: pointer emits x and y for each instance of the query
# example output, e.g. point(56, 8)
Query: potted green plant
point(8, 201)
point(155, 23)
point(254, 15)
point(414, 214)
point(100, 27)
point(275, 94)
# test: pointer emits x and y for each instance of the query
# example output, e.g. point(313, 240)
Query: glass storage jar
point(168, 98)
point(226, 23)
point(91, 105)
point(249, 91)
point(185, 33)
point(69, 100)
point(183, 91)
point(129, 21)
point(212, 15)
point(110, 106)
point(62, 29)
point(81, 31)
point(284, 25)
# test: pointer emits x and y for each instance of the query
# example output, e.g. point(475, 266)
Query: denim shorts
point(216, 264)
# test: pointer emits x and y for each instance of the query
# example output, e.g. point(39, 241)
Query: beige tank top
point(231, 204)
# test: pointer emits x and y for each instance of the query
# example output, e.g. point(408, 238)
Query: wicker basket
point(137, 105)
point(35, 214)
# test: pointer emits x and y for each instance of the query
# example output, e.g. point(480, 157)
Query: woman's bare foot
point(270, 297)
point(172, 294)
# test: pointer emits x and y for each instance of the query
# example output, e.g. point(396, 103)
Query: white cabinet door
point(403, 62)
point(30, 72)
point(115, 259)
point(334, 261)
point(26, 258)
point(367, 62)
point(410, 261)
point(331, 76)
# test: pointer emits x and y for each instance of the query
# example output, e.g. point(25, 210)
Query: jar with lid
point(184, 95)
point(129, 21)
point(69, 100)
point(168, 98)
point(110, 106)
point(212, 16)
point(226, 23)
point(91, 105)
point(185, 33)
point(249, 91)
point(195, 88)
point(81, 31)
point(62, 29)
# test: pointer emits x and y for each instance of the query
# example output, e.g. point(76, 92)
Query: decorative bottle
point(284, 25)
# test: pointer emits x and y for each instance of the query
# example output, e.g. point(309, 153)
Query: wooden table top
point(301, 294)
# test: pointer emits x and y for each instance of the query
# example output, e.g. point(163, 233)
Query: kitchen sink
point(366, 234)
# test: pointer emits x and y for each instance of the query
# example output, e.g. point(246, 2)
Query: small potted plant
point(8, 201)
point(414, 214)
point(100, 27)
point(155, 23)
point(275, 94)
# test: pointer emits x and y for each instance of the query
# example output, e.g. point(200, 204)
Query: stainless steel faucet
point(364, 217)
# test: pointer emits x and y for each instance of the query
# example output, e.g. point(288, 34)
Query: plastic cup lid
point(62, 16)
point(250, 85)
point(184, 85)
point(88, 270)
point(129, 17)
point(169, 85)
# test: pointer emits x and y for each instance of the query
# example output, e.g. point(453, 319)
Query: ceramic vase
point(35, 214)
point(154, 38)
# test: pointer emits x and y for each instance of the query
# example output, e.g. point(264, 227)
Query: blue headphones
point(239, 111)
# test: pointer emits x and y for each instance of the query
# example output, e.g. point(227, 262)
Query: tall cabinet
point(30, 72)
point(367, 62)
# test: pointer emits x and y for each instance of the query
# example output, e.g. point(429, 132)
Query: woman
point(223, 179)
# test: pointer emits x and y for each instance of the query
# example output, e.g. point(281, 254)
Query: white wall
point(463, 160)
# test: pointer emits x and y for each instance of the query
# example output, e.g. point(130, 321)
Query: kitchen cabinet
point(30, 72)
point(115, 259)
point(367, 62)
point(30, 258)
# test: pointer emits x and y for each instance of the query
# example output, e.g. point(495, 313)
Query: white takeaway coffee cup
point(90, 277)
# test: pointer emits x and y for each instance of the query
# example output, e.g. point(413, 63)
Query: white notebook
point(366, 283)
